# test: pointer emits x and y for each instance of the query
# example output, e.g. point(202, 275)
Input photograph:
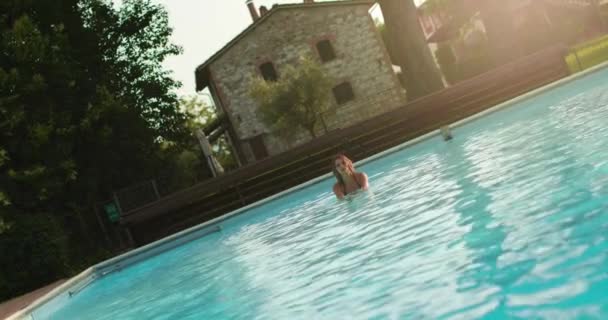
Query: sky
point(202, 27)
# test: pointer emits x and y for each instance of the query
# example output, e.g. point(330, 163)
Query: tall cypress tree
point(408, 48)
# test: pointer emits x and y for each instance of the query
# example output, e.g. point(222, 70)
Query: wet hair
point(347, 162)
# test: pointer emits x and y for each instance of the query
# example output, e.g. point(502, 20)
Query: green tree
point(84, 107)
point(299, 99)
point(134, 41)
point(184, 163)
point(198, 115)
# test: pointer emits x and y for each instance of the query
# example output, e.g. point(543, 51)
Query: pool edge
point(158, 246)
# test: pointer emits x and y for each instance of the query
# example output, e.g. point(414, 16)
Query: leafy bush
point(85, 103)
point(34, 252)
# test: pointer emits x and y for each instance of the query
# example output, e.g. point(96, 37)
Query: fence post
point(155, 189)
point(115, 196)
point(102, 226)
point(238, 192)
point(130, 240)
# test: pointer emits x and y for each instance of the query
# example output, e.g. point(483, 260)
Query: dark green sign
point(112, 211)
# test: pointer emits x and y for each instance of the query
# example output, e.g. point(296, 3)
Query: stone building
point(340, 34)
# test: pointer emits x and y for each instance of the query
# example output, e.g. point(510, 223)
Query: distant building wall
point(360, 59)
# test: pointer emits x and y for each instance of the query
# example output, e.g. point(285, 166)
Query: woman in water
point(349, 180)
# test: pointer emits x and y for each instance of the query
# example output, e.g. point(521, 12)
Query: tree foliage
point(134, 44)
point(299, 99)
point(198, 115)
point(84, 107)
point(184, 163)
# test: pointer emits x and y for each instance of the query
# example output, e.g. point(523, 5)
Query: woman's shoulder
point(361, 178)
point(360, 174)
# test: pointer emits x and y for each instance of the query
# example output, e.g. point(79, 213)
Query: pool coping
point(184, 236)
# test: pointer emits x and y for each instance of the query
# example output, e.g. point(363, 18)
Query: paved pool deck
point(7, 308)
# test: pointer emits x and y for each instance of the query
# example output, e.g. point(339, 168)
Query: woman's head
point(342, 165)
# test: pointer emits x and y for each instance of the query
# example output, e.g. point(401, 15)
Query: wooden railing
point(259, 180)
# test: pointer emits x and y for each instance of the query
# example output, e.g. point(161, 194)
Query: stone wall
point(361, 59)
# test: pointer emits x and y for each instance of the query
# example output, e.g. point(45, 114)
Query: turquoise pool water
point(508, 220)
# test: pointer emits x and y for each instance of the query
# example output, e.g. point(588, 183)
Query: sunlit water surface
point(508, 220)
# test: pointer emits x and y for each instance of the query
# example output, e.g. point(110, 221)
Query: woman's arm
point(338, 191)
point(362, 179)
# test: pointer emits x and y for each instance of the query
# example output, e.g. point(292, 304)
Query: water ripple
point(508, 220)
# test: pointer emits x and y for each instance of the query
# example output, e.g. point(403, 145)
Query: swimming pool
point(507, 220)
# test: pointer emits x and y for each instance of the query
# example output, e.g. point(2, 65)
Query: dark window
point(343, 93)
point(258, 147)
point(268, 71)
point(326, 51)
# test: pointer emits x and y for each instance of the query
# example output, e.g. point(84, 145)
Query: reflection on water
point(508, 220)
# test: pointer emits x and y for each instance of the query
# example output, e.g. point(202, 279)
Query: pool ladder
point(446, 133)
point(82, 285)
